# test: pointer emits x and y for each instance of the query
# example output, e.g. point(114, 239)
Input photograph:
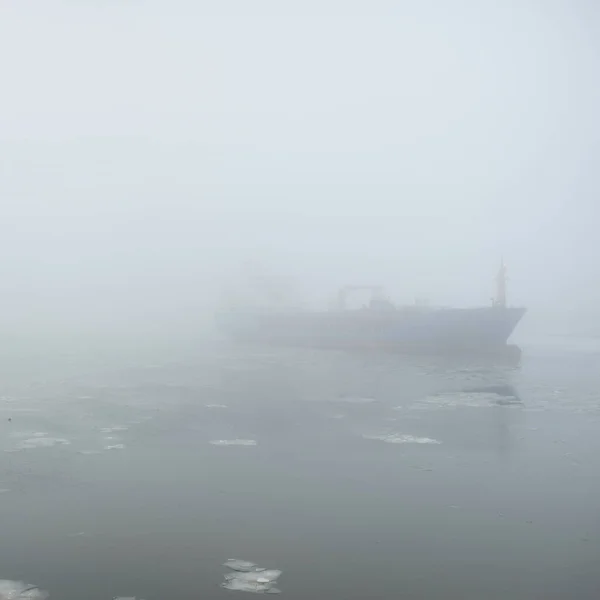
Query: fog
point(148, 150)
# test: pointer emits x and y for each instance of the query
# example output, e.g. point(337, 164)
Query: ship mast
point(500, 299)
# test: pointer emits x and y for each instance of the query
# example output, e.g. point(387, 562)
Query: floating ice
point(140, 420)
point(233, 442)
point(240, 585)
point(17, 590)
point(41, 442)
point(239, 565)
point(20, 409)
point(503, 389)
point(115, 447)
point(215, 406)
point(394, 438)
point(355, 400)
point(115, 428)
point(247, 577)
point(260, 576)
point(450, 400)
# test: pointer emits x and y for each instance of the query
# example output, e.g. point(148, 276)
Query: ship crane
point(377, 300)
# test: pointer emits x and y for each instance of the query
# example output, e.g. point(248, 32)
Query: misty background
point(149, 149)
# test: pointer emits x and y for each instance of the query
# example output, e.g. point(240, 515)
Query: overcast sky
point(149, 147)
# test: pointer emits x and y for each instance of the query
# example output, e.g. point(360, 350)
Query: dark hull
point(405, 330)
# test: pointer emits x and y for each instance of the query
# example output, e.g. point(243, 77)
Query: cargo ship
point(380, 324)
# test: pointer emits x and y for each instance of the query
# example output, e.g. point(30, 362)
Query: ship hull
point(476, 329)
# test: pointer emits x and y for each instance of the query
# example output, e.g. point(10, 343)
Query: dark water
point(372, 476)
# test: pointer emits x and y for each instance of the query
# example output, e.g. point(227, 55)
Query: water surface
point(139, 471)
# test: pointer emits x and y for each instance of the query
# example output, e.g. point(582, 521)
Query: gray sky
point(147, 148)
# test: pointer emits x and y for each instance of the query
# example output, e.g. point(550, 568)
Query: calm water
point(357, 476)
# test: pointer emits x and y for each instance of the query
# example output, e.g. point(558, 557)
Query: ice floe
point(115, 447)
point(239, 565)
point(42, 442)
point(465, 399)
point(355, 400)
point(395, 438)
point(215, 406)
point(114, 428)
point(17, 590)
point(28, 434)
point(248, 577)
point(236, 442)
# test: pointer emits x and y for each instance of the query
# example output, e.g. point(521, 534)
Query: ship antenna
point(501, 286)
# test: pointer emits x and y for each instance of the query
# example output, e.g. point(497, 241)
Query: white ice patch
point(247, 577)
point(355, 400)
point(236, 442)
point(215, 406)
point(115, 447)
point(17, 590)
point(239, 565)
point(115, 428)
point(141, 420)
point(41, 442)
point(395, 438)
point(456, 400)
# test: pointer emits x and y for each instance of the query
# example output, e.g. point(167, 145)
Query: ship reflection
point(507, 393)
point(503, 356)
point(503, 396)
point(475, 382)
point(508, 356)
